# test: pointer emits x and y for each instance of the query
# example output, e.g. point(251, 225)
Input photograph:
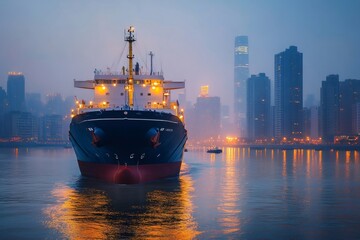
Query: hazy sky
point(53, 42)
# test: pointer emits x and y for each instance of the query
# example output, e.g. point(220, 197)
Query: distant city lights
point(15, 73)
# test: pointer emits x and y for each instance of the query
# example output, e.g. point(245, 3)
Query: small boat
point(214, 150)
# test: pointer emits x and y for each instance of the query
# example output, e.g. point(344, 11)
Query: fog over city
point(53, 42)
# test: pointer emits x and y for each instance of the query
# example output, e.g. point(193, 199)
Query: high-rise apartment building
point(226, 129)
point(288, 94)
point(311, 122)
point(339, 105)
point(34, 103)
point(22, 125)
point(16, 91)
point(2, 101)
point(356, 117)
point(349, 96)
point(306, 122)
point(3, 105)
point(258, 107)
point(204, 120)
point(51, 128)
point(241, 74)
point(314, 122)
point(329, 107)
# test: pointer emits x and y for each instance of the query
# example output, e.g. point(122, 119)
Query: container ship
point(131, 132)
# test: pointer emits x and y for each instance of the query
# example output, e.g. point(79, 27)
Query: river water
point(239, 194)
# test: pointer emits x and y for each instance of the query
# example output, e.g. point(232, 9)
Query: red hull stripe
point(129, 174)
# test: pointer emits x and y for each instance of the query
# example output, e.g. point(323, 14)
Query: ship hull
point(123, 146)
point(129, 174)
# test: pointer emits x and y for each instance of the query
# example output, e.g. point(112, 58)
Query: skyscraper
point(356, 117)
point(258, 107)
point(2, 111)
point(241, 74)
point(329, 107)
point(314, 122)
point(51, 128)
point(2, 100)
point(21, 124)
point(288, 93)
point(349, 96)
point(16, 91)
point(205, 124)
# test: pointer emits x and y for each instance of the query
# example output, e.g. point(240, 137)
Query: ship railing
point(83, 107)
point(124, 73)
point(105, 105)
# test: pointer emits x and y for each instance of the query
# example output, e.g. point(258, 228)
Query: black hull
point(123, 146)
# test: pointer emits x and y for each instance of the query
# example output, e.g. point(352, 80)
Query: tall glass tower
point(241, 74)
point(289, 94)
point(16, 91)
point(258, 107)
point(330, 107)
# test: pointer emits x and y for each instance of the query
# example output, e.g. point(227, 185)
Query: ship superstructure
point(150, 92)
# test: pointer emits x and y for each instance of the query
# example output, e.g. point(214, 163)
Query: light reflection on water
point(228, 207)
point(91, 209)
point(272, 194)
point(239, 194)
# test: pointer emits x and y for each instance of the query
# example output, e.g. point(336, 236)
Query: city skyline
point(78, 37)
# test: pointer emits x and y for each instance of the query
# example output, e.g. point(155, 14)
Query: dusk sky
point(53, 42)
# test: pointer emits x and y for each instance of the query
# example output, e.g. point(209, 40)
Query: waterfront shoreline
point(33, 145)
point(317, 147)
point(307, 146)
